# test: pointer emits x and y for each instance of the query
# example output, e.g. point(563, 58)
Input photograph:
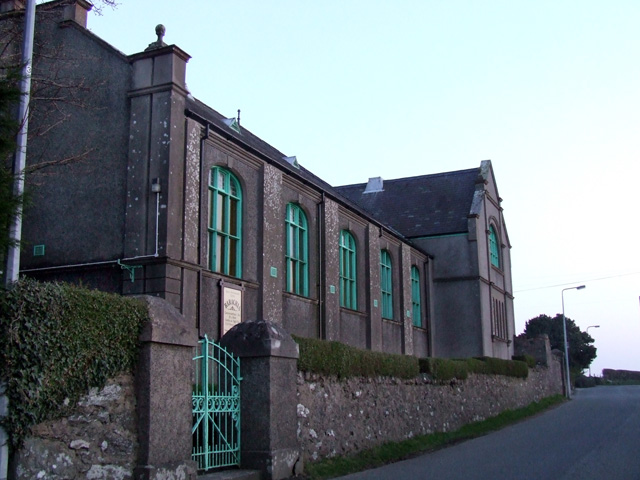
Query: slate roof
point(246, 138)
point(422, 206)
point(204, 113)
point(408, 207)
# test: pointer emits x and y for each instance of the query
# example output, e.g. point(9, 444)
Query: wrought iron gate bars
point(216, 407)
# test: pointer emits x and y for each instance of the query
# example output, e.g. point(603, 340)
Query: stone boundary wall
point(97, 440)
point(344, 417)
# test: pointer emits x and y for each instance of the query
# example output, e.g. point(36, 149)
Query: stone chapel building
point(156, 193)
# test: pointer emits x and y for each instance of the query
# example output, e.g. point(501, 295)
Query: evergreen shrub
point(56, 342)
point(343, 361)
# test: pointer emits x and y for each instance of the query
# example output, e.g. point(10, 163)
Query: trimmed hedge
point(528, 359)
point(343, 361)
point(444, 369)
point(56, 342)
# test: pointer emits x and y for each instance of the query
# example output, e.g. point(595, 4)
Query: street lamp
point(587, 331)
point(566, 344)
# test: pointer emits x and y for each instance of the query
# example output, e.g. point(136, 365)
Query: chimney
point(374, 184)
point(77, 11)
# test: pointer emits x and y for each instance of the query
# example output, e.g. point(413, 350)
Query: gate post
point(268, 365)
point(163, 393)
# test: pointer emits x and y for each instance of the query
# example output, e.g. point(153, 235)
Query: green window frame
point(296, 256)
point(225, 223)
point(494, 251)
point(386, 284)
point(348, 276)
point(416, 296)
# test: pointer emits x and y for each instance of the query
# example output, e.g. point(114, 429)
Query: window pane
point(233, 217)
point(218, 253)
point(225, 221)
point(219, 213)
point(233, 257)
point(296, 248)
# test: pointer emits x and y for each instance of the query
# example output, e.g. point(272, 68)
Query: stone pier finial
point(159, 43)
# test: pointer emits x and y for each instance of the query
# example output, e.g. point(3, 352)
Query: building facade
point(143, 189)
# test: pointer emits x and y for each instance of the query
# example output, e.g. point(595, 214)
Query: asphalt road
point(594, 436)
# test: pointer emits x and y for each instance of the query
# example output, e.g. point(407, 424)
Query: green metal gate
point(216, 407)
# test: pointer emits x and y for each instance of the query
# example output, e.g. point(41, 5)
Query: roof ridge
point(428, 175)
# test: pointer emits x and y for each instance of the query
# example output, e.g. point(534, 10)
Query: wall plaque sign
point(230, 306)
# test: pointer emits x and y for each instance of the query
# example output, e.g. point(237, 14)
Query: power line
point(571, 283)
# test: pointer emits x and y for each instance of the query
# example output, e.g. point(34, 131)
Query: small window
point(296, 256)
point(386, 284)
point(225, 223)
point(348, 279)
point(416, 304)
point(494, 249)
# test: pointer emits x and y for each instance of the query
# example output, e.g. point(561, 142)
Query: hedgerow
point(56, 342)
point(344, 361)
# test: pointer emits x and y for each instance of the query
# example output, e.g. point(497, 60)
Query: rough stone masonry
point(339, 417)
point(98, 441)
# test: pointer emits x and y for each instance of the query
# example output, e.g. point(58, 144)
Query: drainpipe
point(492, 312)
point(200, 256)
point(156, 188)
point(321, 269)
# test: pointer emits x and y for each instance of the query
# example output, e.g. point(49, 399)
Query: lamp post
point(587, 331)
point(566, 344)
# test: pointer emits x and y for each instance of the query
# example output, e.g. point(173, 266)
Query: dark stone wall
point(300, 316)
point(77, 207)
point(392, 337)
point(353, 329)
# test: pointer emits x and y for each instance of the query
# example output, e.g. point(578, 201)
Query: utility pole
point(20, 157)
point(19, 162)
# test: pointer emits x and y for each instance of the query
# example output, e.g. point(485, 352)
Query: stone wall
point(343, 417)
point(97, 440)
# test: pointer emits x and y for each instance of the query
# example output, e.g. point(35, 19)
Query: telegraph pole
point(19, 161)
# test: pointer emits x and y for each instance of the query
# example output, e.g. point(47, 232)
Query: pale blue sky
point(548, 90)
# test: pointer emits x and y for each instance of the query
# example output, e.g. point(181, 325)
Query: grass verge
point(395, 451)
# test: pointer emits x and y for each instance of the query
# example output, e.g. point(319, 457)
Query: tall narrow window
point(225, 223)
point(494, 250)
point(348, 280)
point(296, 256)
point(386, 284)
point(416, 309)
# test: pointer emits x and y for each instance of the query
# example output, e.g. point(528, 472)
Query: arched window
point(296, 256)
point(225, 223)
point(348, 280)
point(416, 303)
point(386, 284)
point(494, 249)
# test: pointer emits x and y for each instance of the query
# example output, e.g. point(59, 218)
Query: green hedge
point(343, 361)
point(56, 342)
point(528, 359)
point(444, 369)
